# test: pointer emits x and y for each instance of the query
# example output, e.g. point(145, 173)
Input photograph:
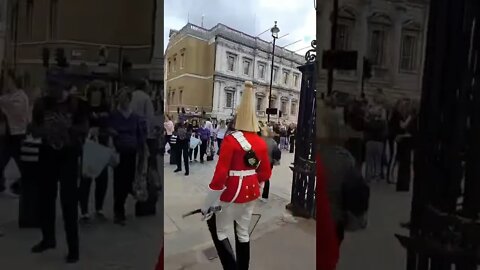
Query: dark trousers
point(266, 187)
point(148, 207)
point(356, 147)
point(404, 159)
point(101, 184)
point(340, 232)
point(193, 153)
point(183, 148)
point(59, 166)
point(13, 144)
point(292, 144)
point(123, 178)
point(391, 158)
point(203, 149)
point(219, 144)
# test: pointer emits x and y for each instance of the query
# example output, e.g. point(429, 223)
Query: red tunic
point(231, 159)
point(160, 261)
point(327, 242)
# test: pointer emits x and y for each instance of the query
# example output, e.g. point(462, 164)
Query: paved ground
point(104, 246)
point(376, 248)
point(186, 239)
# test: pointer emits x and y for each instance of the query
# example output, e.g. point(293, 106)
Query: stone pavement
point(186, 239)
point(104, 246)
point(290, 246)
point(376, 248)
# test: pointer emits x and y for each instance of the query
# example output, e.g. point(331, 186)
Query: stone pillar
point(217, 93)
point(396, 43)
point(363, 42)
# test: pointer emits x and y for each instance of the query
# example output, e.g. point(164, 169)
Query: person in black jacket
point(61, 120)
point(182, 147)
point(405, 140)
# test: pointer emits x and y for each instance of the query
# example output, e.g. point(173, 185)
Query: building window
point(285, 77)
point(182, 60)
point(180, 97)
point(246, 66)
point(29, 14)
point(229, 99)
point(259, 104)
point(169, 66)
point(53, 18)
point(173, 97)
point(293, 109)
point(295, 80)
point(343, 37)
point(408, 52)
point(261, 71)
point(231, 62)
point(275, 71)
point(174, 64)
point(284, 107)
point(377, 47)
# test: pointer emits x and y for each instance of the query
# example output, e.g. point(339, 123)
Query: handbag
point(140, 190)
point(194, 142)
point(95, 158)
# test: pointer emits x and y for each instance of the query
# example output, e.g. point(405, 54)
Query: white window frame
point(259, 105)
point(249, 61)
point(227, 93)
point(295, 79)
point(261, 75)
point(275, 73)
point(234, 56)
point(378, 58)
point(412, 65)
point(285, 76)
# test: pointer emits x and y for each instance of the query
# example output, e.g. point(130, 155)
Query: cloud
point(296, 18)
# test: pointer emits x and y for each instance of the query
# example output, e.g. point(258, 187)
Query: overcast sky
point(295, 18)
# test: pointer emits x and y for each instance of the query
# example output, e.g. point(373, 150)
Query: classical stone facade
point(124, 28)
point(217, 64)
point(391, 34)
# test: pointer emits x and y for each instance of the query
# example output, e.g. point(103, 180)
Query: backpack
point(355, 115)
point(356, 199)
point(276, 154)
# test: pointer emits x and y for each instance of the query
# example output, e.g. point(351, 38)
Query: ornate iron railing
point(445, 228)
point(304, 173)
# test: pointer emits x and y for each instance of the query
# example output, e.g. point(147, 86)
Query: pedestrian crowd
point(63, 140)
point(363, 141)
point(195, 139)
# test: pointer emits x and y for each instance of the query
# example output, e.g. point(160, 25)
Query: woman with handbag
point(129, 138)
point(99, 113)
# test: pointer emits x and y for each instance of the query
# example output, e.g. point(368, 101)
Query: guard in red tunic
point(242, 168)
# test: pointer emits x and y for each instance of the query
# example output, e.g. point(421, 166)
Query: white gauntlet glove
point(212, 200)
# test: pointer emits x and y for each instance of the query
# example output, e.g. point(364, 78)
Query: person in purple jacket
point(204, 133)
point(129, 138)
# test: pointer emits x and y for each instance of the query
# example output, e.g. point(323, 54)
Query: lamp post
point(275, 30)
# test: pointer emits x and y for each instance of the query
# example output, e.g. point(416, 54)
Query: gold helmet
point(246, 118)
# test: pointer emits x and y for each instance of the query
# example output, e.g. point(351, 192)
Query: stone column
point(396, 43)
point(363, 42)
point(216, 98)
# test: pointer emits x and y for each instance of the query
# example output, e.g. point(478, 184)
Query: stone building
point(390, 33)
point(122, 29)
point(207, 68)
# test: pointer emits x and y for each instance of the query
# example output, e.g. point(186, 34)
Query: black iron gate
point(304, 173)
point(445, 228)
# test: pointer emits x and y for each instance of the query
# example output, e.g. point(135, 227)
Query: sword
point(214, 209)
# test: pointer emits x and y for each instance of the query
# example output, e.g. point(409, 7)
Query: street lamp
point(275, 30)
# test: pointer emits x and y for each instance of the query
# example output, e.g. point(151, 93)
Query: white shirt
point(221, 132)
point(209, 126)
point(142, 105)
point(16, 108)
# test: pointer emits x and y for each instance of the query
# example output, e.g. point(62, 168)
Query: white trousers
point(239, 212)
